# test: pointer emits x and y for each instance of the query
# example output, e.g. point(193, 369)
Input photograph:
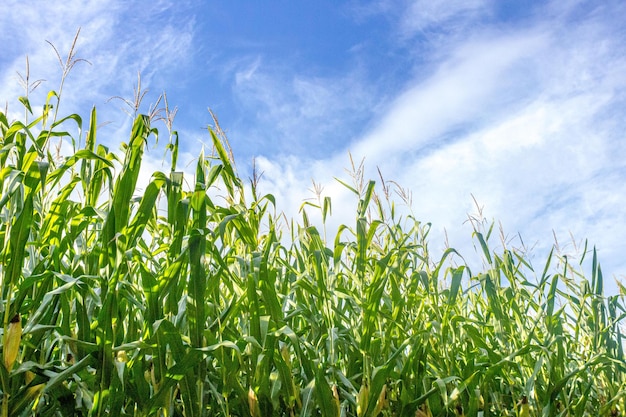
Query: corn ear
point(423, 411)
point(362, 400)
point(284, 352)
point(35, 390)
point(28, 377)
point(524, 407)
point(253, 403)
point(12, 339)
point(122, 356)
point(336, 402)
point(382, 401)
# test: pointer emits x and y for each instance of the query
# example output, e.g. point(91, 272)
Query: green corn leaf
point(324, 395)
point(365, 201)
point(19, 235)
point(146, 207)
point(485, 248)
point(455, 285)
point(26, 103)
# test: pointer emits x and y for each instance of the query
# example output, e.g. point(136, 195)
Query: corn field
point(201, 300)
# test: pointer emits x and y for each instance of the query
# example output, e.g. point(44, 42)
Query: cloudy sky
point(519, 105)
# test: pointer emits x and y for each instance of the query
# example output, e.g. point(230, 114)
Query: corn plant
point(203, 300)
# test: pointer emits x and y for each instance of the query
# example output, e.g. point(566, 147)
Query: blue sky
point(519, 104)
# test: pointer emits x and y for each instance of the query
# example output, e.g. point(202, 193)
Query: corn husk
point(11, 341)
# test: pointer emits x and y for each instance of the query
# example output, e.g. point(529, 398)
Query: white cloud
point(245, 75)
point(465, 89)
point(424, 14)
point(297, 114)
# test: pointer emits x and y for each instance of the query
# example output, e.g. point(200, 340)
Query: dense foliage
point(190, 302)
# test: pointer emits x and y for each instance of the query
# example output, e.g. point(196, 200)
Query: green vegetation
point(204, 302)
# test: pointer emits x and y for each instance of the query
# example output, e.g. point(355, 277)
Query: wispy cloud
point(466, 89)
point(421, 15)
point(299, 114)
point(430, 19)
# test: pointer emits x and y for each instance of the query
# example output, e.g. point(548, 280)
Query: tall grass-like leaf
point(455, 285)
point(125, 185)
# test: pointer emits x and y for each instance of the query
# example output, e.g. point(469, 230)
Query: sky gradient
point(517, 105)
